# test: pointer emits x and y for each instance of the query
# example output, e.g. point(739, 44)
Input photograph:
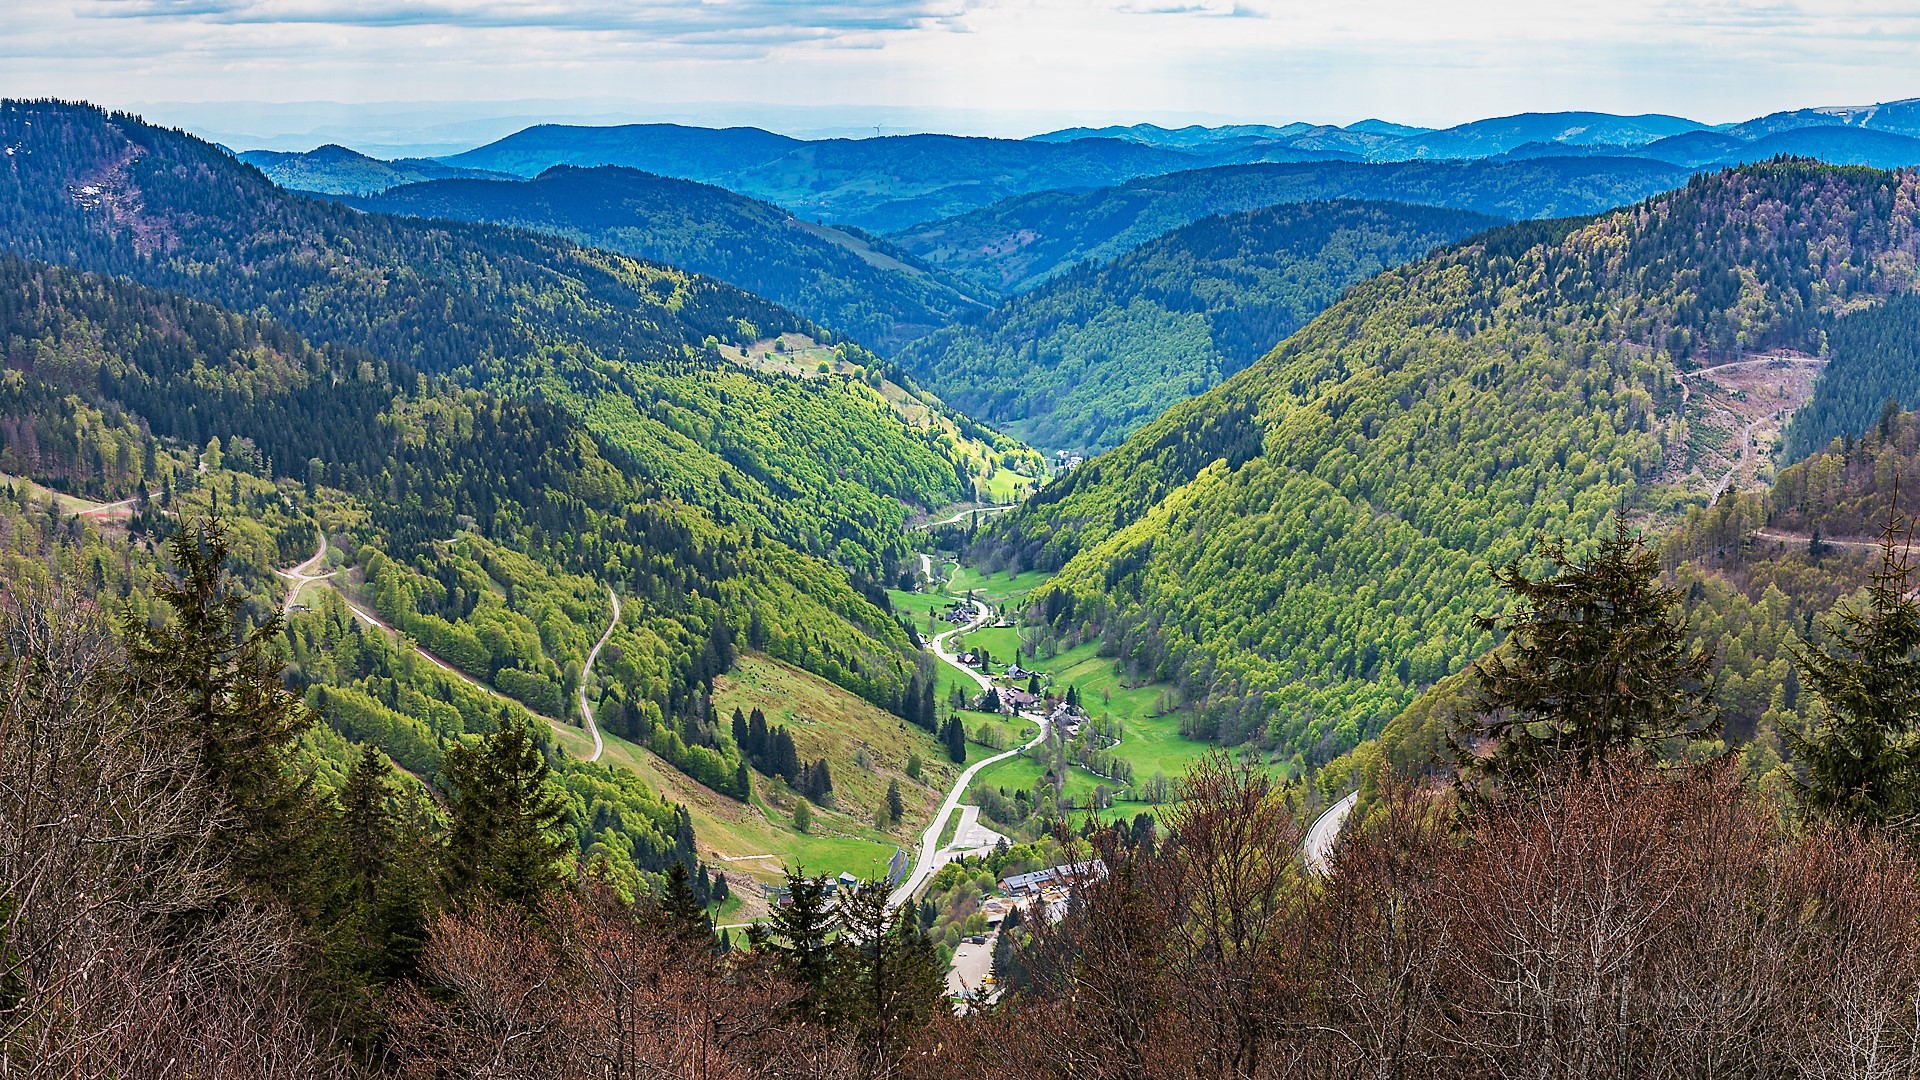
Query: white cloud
point(1030, 63)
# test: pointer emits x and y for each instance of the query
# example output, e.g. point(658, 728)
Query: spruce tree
point(757, 743)
point(909, 699)
point(740, 730)
point(376, 920)
point(796, 937)
point(509, 833)
point(955, 736)
point(785, 758)
point(1594, 666)
point(888, 979)
point(680, 909)
point(366, 833)
point(896, 806)
point(238, 719)
point(1862, 764)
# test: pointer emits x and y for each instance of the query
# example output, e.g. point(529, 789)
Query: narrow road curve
point(1814, 360)
point(1318, 847)
point(586, 710)
point(299, 577)
point(965, 514)
point(1797, 538)
point(924, 863)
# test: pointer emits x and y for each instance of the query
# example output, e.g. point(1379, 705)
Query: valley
point(789, 571)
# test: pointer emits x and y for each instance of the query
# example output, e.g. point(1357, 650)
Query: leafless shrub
point(589, 990)
point(1171, 964)
point(1376, 936)
point(124, 951)
point(1635, 923)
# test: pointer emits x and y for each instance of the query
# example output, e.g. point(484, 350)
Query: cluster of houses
point(1018, 701)
point(1047, 892)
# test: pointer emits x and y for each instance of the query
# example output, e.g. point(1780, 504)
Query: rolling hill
point(879, 184)
point(336, 170)
point(1184, 137)
point(1829, 144)
point(850, 283)
point(1496, 135)
point(827, 464)
point(694, 153)
point(1081, 361)
point(1303, 548)
point(1016, 244)
point(1899, 117)
point(1580, 134)
point(492, 428)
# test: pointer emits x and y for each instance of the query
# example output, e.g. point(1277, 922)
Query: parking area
point(971, 966)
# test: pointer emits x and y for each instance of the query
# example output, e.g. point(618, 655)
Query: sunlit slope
point(1083, 360)
point(1304, 548)
point(632, 345)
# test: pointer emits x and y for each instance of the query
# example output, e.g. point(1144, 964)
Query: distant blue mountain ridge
point(887, 184)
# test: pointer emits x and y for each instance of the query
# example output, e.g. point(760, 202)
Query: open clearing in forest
point(1735, 412)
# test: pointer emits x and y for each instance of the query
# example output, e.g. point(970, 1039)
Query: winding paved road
point(926, 862)
point(586, 710)
point(1318, 846)
point(299, 578)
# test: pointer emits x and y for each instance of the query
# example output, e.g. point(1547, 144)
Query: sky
point(452, 73)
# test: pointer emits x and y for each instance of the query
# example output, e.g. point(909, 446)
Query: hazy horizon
point(242, 68)
point(437, 128)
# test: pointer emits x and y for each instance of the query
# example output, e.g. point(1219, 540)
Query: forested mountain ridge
point(1018, 243)
point(1081, 361)
point(602, 438)
point(336, 170)
point(1302, 548)
point(1485, 138)
point(511, 523)
point(631, 345)
point(851, 284)
point(881, 183)
point(693, 153)
point(520, 474)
